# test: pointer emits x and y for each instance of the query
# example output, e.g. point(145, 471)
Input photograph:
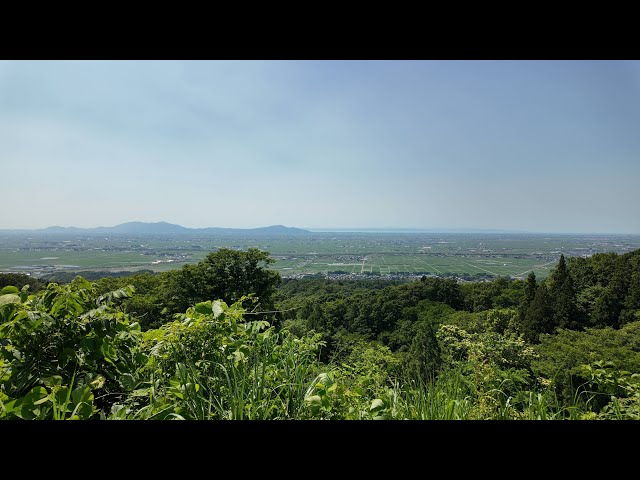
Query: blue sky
point(548, 146)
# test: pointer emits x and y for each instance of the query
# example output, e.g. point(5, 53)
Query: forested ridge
point(227, 338)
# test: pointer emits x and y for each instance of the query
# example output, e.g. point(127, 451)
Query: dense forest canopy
point(227, 338)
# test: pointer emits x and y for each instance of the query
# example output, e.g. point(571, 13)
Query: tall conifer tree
point(563, 297)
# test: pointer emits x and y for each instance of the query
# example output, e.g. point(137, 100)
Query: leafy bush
point(560, 356)
point(621, 387)
point(212, 364)
point(65, 344)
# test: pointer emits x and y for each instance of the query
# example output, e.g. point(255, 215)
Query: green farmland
point(468, 256)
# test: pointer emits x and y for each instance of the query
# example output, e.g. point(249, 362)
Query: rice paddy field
point(352, 254)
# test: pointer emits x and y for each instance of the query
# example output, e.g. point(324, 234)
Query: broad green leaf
point(314, 400)
point(127, 381)
point(21, 315)
point(167, 413)
point(9, 298)
point(10, 408)
point(109, 352)
point(42, 400)
point(83, 410)
point(140, 392)
point(67, 304)
point(68, 354)
point(239, 356)
point(82, 394)
point(204, 308)
point(376, 405)
point(9, 289)
point(35, 394)
point(62, 399)
point(81, 283)
point(175, 389)
point(118, 412)
point(53, 381)
point(27, 407)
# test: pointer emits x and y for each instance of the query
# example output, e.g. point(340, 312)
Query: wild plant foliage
point(567, 347)
point(65, 341)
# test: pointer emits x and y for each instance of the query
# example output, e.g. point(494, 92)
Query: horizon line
point(458, 230)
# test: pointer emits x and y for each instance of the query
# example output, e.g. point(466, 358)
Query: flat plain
point(464, 255)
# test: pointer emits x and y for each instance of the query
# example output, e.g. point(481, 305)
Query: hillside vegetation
point(227, 338)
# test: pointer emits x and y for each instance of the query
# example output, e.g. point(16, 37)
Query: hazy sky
point(551, 146)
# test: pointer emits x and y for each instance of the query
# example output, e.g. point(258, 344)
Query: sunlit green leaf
point(9, 289)
point(9, 298)
point(239, 356)
point(98, 382)
point(204, 308)
point(314, 400)
point(376, 405)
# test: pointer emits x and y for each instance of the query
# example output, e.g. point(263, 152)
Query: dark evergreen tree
point(539, 316)
point(425, 351)
point(530, 288)
point(563, 298)
point(631, 310)
point(608, 308)
point(529, 295)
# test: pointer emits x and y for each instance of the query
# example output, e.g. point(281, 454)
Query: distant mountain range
point(163, 228)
